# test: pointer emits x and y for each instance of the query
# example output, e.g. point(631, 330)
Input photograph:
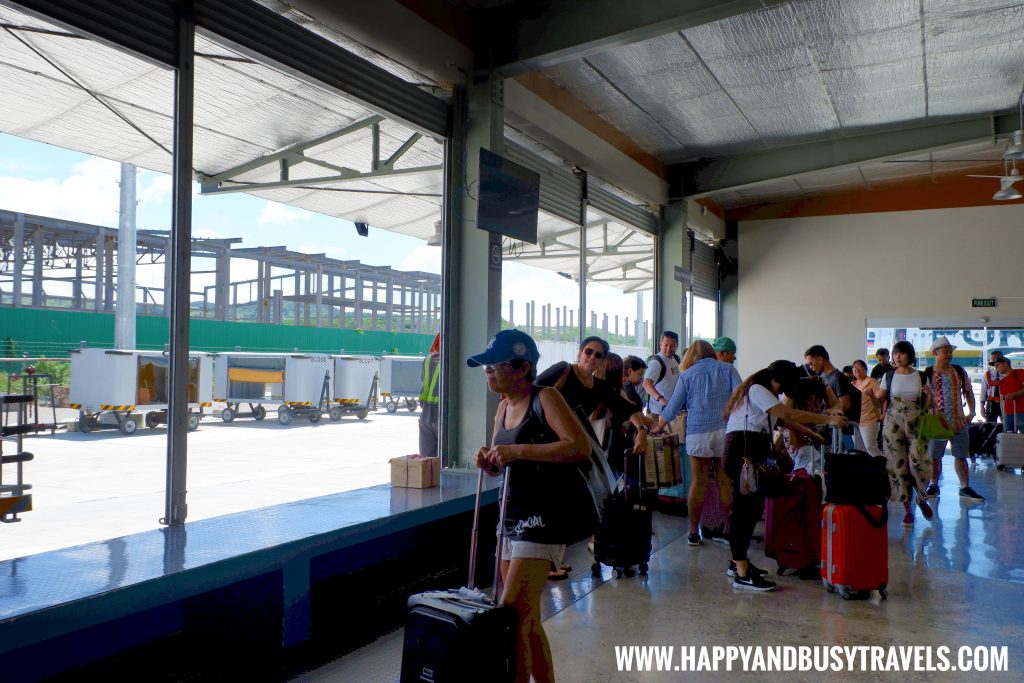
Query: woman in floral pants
point(907, 459)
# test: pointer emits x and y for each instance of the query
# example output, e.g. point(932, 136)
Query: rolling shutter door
point(705, 271)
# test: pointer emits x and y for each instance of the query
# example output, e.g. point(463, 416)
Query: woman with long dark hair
point(752, 414)
point(587, 394)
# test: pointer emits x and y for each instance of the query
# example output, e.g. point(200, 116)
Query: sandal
point(557, 575)
point(565, 567)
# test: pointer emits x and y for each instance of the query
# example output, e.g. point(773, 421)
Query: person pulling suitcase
point(540, 444)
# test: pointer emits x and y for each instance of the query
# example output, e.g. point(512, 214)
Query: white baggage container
point(401, 378)
point(1010, 449)
point(355, 385)
point(294, 382)
point(120, 382)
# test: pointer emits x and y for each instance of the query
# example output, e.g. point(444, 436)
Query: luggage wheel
point(882, 590)
point(595, 569)
point(643, 569)
point(844, 594)
point(830, 588)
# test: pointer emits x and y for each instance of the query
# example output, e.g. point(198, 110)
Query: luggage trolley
point(307, 387)
point(119, 382)
point(401, 378)
point(355, 378)
point(255, 379)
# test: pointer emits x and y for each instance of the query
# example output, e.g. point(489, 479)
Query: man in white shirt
point(662, 373)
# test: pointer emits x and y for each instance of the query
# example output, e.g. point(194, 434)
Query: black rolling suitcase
point(982, 436)
point(462, 634)
point(623, 540)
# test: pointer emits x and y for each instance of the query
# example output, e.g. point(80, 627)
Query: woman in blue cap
point(537, 439)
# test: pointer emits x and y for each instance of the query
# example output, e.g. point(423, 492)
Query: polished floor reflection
point(956, 580)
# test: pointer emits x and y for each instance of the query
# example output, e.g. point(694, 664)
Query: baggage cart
point(291, 382)
point(356, 382)
point(112, 386)
point(401, 379)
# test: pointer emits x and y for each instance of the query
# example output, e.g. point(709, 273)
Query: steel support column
point(124, 315)
point(19, 257)
point(223, 285)
point(101, 246)
point(176, 509)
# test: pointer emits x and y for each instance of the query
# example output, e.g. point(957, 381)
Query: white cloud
point(89, 195)
point(279, 214)
point(424, 258)
point(157, 191)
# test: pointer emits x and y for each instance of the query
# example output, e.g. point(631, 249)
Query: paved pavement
point(90, 487)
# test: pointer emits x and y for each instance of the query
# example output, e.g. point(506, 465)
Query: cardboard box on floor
point(415, 472)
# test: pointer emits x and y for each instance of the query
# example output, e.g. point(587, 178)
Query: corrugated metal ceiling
point(805, 70)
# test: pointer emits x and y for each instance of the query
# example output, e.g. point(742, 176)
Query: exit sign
point(983, 303)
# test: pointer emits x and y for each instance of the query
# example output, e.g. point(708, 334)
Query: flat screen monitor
point(509, 198)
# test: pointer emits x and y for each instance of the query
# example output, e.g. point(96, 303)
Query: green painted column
point(472, 312)
point(673, 251)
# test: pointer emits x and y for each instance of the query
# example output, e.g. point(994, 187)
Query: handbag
point(934, 426)
point(587, 484)
point(768, 469)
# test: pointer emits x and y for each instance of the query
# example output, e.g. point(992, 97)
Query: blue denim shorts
point(959, 444)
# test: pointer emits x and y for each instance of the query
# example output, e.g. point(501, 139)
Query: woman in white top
point(752, 414)
point(906, 456)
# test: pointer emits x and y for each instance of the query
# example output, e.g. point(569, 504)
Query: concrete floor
point(91, 487)
point(958, 580)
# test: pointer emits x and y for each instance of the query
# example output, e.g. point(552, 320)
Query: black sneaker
point(753, 582)
point(694, 539)
point(751, 570)
point(932, 491)
point(970, 494)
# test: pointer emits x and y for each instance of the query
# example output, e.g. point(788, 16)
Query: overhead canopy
point(84, 95)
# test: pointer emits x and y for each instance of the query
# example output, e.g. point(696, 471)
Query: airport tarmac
point(91, 487)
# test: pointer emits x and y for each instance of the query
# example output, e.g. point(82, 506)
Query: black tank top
point(533, 512)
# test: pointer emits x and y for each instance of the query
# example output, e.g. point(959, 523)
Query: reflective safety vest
point(431, 373)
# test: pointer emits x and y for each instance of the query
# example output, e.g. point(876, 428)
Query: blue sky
point(51, 181)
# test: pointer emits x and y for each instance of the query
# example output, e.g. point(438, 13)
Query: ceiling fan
point(1006, 189)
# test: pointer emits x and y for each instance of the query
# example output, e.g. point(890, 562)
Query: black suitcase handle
point(471, 583)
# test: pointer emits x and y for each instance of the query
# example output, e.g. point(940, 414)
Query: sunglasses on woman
point(599, 355)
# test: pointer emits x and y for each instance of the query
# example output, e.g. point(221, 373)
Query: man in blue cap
point(725, 350)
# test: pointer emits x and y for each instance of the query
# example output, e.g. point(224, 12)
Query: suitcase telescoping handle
point(471, 584)
point(837, 439)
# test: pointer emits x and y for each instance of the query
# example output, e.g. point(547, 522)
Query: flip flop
point(565, 567)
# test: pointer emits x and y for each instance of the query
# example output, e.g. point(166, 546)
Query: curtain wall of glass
point(314, 295)
point(86, 136)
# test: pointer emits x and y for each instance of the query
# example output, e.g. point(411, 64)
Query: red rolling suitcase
point(793, 525)
point(855, 550)
point(462, 634)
